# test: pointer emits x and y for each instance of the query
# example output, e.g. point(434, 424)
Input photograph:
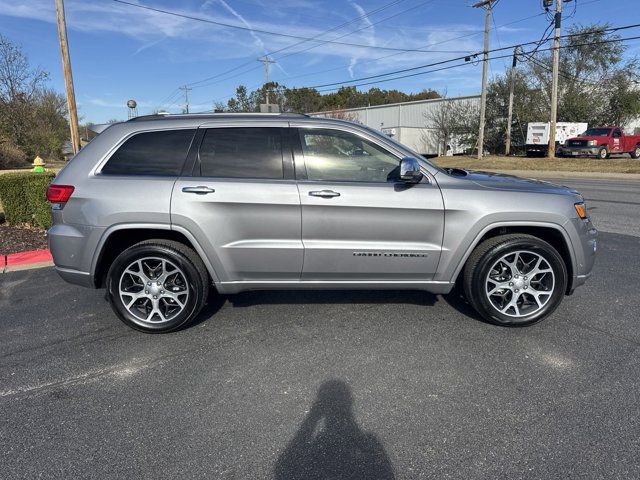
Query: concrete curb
point(25, 260)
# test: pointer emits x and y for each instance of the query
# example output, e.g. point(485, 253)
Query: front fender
point(455, 254)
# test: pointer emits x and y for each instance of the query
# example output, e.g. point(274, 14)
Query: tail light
point(59, 193)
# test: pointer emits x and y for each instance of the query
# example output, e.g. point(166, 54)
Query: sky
point(121, 52)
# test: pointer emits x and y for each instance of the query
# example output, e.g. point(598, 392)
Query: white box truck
point(538, 136)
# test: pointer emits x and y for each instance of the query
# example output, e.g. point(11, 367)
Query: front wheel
point(635, 153)
point(157, 286)
point(515, 280)
point(603, 153)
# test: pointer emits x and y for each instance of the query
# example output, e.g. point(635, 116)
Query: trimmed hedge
point(23, 197)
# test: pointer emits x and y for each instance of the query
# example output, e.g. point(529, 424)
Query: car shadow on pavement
point(285, 297)
point(455, 299)
point(330, 444)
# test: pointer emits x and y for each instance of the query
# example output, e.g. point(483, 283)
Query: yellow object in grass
point(38, 165)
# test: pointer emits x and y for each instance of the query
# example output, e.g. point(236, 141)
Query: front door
point(242, 204)
point(617, 146)
point(359, 222)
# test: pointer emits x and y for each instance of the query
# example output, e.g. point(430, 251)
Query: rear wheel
point(603, 153)
point(635, 153)
point(157, 286)
point(515, 280)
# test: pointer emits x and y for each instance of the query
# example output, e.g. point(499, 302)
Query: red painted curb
point(25, 258)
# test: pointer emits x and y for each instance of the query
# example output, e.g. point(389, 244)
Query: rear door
point(241, 202)
point(359, 223)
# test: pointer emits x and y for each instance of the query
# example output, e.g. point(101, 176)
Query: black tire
point(635, 153)
point(190, 265)
point(477, 269)
point(603, 153)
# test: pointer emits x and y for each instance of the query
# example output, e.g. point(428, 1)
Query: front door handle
point(200, 190)
point(324, 193)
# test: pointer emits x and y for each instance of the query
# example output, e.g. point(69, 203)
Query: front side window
point(334, 155)
point(159, 153)
point(246, 152)
point(617, 133)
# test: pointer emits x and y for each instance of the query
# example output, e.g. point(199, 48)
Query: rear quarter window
point(159, 153)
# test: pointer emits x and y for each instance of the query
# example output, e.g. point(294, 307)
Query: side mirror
point(410, 170)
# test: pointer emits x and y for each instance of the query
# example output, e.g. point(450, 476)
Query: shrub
point(23, 197)
point(11, 156)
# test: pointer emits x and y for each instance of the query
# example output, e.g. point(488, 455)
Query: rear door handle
point(324, 193)
point(200, 190)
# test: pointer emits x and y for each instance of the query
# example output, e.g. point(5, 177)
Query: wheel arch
point(120, 237)
point(551, 233)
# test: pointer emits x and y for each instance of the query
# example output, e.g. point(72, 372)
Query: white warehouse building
point(406, 122)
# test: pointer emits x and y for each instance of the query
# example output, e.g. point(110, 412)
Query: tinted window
point(342, 156)
point(242, 153)
point(617, 133)
point(596, 132)
point(151, 153)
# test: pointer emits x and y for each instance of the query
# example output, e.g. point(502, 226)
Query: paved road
point(613, 204)
point(314, 385)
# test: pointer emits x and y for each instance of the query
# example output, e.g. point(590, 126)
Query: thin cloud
point(371, 32)
point(257, 39)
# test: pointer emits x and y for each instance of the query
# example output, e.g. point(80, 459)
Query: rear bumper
point(72, 248)
point(76, 277)
point(537, 148)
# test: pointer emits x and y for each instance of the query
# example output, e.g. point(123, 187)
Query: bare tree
point(32, 117)
point(440, 125)
point(451, 121)
point(343, 115)
point(17, 79)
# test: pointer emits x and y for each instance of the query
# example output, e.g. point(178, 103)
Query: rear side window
point(248, 152)
point(151, 153)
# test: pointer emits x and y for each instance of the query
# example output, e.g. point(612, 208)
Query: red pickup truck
point(601, 142)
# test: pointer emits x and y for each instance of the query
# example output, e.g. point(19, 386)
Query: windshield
point(596, 132)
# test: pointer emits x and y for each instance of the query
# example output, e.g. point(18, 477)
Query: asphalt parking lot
point(329, 384)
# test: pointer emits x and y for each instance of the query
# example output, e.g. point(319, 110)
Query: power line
point(467, 63)
point(366, 14)
point(202, 83)
point(265, 32)
point(378, 58)
point(369, 26)
point(460, 58)
point(468, 57)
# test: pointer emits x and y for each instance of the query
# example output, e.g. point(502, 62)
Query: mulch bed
point(20, 239)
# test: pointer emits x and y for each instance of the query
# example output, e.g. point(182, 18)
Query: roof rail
point(159, 116)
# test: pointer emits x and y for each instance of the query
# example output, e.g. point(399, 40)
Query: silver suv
point(162, 209)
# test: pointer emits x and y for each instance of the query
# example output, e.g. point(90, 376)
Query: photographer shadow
point(330, 444)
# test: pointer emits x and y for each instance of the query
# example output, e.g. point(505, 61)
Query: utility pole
point(266, 62)
point(186, 89)
point(485, 61)
point(68, 78)
point(554, 80)
point(507, 146)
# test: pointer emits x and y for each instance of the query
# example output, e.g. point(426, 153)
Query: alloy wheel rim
point(520, 284)
point(154, 290)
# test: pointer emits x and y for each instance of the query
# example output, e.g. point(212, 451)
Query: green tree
point(303, 100)
point(595, 85)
